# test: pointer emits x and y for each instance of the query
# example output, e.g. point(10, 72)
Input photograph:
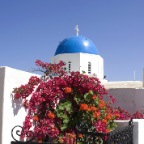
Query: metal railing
point(119, 136)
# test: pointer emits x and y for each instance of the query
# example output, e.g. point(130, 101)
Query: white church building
point(79, 54)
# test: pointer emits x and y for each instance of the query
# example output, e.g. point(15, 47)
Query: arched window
point(69, 66)
point(89, 67)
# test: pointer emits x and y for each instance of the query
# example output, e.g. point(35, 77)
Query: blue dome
point(76, 44)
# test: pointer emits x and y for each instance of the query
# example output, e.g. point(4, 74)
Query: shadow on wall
point(16, 105)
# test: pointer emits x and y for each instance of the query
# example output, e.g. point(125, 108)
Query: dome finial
point(77, 30)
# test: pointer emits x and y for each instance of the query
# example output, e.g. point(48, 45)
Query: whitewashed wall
point(12, 113)
point(130, 99)
point(97, 66)
point(79, 62)
point(73, 58)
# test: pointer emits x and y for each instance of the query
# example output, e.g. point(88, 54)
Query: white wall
point(79, 62)
point(73, 58)
point(12, 113)
point(130, 99)
point(96, 64)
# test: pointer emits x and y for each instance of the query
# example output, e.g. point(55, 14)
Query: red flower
point(67, 90)
point(84, 107)
point(94, 97)
point(93, 108)
point(80, 135)
point(51, 115)
point(35, 118)
point(26, 104)
point(96, 114)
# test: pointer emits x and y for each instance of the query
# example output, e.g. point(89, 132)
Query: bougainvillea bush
point(125, 115)
point(59, 102)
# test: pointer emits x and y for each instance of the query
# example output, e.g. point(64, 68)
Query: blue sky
point(32, 29)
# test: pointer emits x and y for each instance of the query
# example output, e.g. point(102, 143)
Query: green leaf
point(91, 92)
point(83, 72)
point(69, 107)
point(77, 98)
point(79, 142)
point(66, 120)
point(96, 101)
point(61, 107)
point(60, 114)
point(63, 127)
point(64, 116)
point(87, 97)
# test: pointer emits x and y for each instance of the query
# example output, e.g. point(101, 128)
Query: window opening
point(69, 67)
point(89, 67)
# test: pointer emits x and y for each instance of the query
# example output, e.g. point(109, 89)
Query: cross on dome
point(77, 30)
